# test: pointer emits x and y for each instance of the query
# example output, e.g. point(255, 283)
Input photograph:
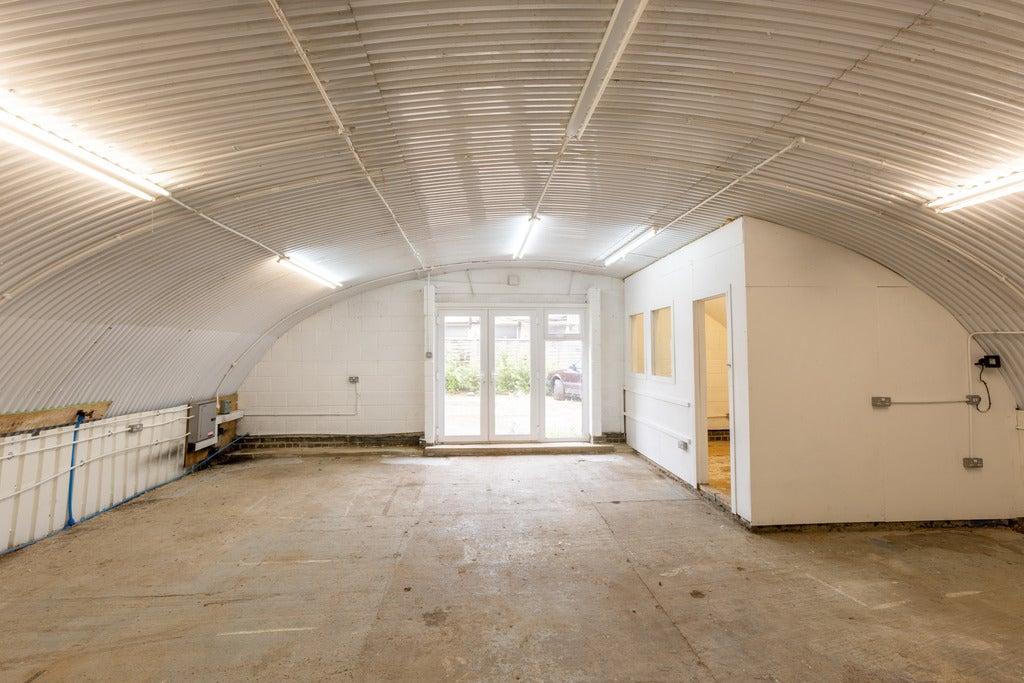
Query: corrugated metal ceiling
point(457, 108)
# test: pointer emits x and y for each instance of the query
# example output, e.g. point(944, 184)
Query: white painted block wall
point(380, 336)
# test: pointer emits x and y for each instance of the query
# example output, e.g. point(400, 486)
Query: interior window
point(636, 335)
point(661, 342)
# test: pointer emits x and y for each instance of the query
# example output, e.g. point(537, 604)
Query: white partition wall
point(814, 332)
point(828, 329)
point(660, 411)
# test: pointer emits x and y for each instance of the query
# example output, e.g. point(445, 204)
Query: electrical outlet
point(353, 379)
point(684, 444)
point(974, 463)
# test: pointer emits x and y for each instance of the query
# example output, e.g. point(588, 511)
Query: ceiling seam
point(404, 163)
point(768, 130)
point(631, 23)
point(342, 129)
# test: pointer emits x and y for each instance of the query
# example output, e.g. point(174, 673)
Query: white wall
point(112, 464)
point(828, 329)
point(381, 337)
point(716, 364)
point(815, 331)
point(661, 411)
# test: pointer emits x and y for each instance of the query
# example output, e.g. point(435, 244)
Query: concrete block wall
point(303, 377)
point(300, 386)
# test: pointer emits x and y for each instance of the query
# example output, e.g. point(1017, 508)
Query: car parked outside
point(566, 383)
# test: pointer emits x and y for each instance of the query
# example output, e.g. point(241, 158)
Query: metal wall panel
point(458, 109)
point(112, 464)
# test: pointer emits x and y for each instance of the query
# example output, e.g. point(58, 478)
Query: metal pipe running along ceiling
point(451, 116)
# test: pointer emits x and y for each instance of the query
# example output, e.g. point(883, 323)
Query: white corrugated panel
point(113, 463)
point(457, 108)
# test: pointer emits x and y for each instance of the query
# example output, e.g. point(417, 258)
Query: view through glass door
point(512, 375)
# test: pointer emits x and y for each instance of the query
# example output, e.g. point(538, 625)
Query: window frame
point(671, 344)
point(643, 344)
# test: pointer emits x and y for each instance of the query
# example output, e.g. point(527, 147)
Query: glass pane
point(563, 396)
point(563, 324)
point(512, 375)
point(661, 341)
point(462, 408)
point(636, 343)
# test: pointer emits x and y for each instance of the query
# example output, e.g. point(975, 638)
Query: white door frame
point(442, 351)
point(492, 394)
point(538, 374)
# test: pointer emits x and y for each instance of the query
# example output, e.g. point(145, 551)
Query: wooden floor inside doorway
point(719, 468)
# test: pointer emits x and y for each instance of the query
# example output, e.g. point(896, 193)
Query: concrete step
point(561, 448)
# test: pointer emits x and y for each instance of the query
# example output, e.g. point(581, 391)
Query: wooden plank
point(11, 423)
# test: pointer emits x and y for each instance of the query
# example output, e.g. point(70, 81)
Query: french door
point(511, 374)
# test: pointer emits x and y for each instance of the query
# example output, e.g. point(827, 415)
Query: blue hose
point(71, 472)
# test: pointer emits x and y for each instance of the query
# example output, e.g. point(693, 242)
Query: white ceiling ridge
point(620, 29)
point(342, 128)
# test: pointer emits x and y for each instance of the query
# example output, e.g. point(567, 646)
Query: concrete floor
point(496, 568)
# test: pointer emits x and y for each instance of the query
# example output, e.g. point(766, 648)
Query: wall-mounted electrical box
point(202, 425)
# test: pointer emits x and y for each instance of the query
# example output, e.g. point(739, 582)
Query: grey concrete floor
point(555, 568)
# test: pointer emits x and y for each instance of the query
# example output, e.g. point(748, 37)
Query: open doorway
point(714, 384)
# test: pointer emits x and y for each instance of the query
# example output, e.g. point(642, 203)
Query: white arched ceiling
point(457, 109)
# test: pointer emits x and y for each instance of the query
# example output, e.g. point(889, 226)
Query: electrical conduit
point(79, 419)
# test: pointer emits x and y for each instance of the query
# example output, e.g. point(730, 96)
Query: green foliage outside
point(513, 375)
point(460, 377)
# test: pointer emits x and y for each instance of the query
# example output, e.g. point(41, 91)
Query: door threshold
point(534, 448)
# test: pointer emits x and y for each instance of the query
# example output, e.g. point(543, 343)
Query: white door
point(462, 410)
point(513, 387)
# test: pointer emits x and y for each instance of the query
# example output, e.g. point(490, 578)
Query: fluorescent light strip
point(630, 246)
point(291, 263)
point(982, 192)
point(49, 145)
point(526, 238)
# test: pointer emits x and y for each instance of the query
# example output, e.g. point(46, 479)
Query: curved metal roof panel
point(457, 109)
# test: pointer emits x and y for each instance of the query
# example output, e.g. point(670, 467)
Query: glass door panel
point(512, 375)
point(564, 376)
point(462, 341)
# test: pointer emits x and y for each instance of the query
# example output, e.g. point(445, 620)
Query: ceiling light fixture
point(992, 188)
point(630, 246)
point(49, 145)
point(518, 254)
point(308, 271)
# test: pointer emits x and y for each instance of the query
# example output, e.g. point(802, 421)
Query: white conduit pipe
point(342, 130)
point(86, 463)
point(791, 146)
point(616, 37)
point(970, 378)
